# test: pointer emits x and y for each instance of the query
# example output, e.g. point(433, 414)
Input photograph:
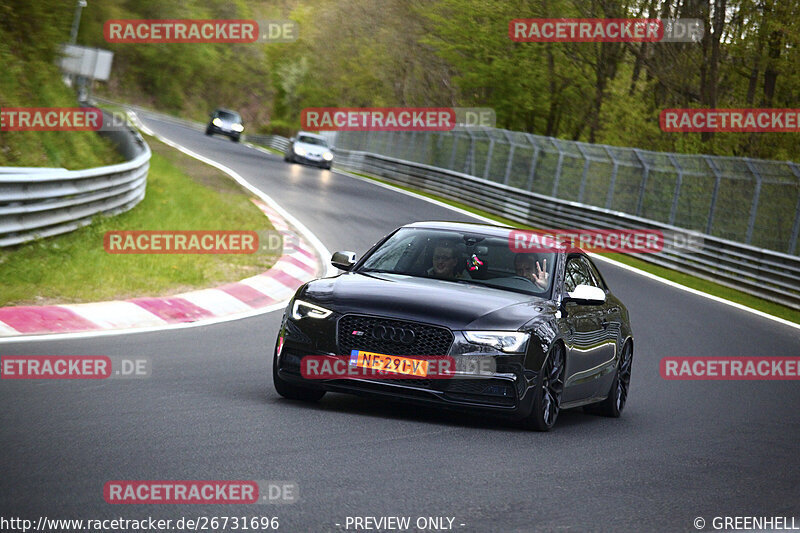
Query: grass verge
point(182, 194)
point(686, 280)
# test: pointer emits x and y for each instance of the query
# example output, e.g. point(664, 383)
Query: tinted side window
point(576, 274)
point(598, 280)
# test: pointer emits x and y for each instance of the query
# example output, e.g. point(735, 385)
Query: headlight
point(217, 122)
point(302, 309)
point(327, 156)
point(299, 150)
point(505, 341)
point(237, 127)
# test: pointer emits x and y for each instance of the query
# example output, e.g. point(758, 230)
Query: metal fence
point(41, 202)
point(751, 201)
point(763, 273)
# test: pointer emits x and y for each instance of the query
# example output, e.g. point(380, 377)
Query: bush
point(279, 127)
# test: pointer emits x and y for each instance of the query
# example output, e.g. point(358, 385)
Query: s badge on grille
point(357, 333)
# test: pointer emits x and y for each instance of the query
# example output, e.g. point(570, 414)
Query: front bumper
point(506, 392)
point(306, 160)
point(223, 131)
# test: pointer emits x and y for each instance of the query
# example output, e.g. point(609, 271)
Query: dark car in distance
point(557, 339)
point(225, 122)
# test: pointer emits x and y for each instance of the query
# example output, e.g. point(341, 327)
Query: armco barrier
point(41, 202)
point(273, 141)
point(764, 273)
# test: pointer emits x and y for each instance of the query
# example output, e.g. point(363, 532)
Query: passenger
point(445, 262)
point(527, 267)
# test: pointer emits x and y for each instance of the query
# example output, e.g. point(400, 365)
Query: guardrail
point(763, 273)
point(41, 202)
point(273, 141)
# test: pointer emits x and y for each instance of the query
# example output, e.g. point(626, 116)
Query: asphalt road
point(681, 450)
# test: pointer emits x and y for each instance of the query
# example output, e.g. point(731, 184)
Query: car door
point(611, 322)
point(586, 335)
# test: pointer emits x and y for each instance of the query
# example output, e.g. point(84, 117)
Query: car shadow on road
point(338, 403)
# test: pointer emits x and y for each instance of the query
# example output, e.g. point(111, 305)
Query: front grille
point(427, 340)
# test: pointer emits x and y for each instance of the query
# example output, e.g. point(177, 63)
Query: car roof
point(486, 229)
point(308, 134)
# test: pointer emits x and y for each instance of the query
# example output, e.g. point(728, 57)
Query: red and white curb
point(302, 260)
point(298, 263)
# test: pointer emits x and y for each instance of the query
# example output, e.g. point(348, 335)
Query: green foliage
point(280, 127)
point(456, 53)
point(29, 36)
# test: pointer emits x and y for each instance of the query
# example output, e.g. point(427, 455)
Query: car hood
point(227, 123)
point(313, 148)
point(452, 304)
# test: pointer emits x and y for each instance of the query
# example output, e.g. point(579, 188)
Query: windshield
point(462, 258)
point(312, 140)
point(230, 117)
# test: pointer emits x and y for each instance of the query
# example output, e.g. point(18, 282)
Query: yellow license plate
point(389, 363)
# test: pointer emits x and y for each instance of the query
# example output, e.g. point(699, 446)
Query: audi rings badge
point(392, 334)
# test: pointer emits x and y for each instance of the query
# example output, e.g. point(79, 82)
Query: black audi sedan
point(225, 122)
point(545, 329)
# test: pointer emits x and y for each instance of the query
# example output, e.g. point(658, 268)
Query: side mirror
point(586, 295)
point(291, 140)
point(332, 149)
point(343, 260)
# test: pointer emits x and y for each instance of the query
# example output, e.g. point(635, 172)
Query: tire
point(235, 139)
point(549, 386)
point(208, 131)
point(327, 167)
point(614, 403)
point(291, 391)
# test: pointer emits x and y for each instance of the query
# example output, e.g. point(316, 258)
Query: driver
point(445, 262)
point(528, 267)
